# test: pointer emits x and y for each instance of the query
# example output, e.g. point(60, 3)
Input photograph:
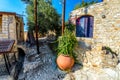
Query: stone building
point(11, 26)
point(98, 26)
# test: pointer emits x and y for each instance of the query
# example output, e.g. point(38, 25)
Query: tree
point(48, 18)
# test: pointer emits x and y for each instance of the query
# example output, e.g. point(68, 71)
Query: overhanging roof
point(8, 13)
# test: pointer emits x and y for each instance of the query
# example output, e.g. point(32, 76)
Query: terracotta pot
point(65, 62)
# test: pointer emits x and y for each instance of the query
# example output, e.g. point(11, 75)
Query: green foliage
point(67, 43)
point(84, 4)
point(77, 6)
point(109, 49)
point(70, 26)
point(47, 16)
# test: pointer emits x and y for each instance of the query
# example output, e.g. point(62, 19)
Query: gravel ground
point(42, 66)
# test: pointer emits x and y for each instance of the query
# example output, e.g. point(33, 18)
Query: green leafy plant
point(67, 43)
point(108, 49)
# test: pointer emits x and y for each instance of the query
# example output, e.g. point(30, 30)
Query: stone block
point(97, 47)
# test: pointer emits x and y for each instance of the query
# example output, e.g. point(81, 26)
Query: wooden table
point(5, 48)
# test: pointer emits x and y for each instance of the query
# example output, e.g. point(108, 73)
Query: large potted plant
point(66, 44)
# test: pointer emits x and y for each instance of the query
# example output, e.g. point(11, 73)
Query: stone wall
point(12, 27)
point(106, 24)
point(8, 23)
point(106, 32)
point(20, 29)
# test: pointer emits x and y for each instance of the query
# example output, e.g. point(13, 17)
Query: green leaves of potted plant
point(66, 45)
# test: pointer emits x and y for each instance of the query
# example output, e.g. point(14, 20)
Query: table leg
point(7, 67)
point(15, 57)
point(8, 59)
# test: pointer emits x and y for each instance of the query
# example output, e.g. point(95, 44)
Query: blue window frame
point(84, 26)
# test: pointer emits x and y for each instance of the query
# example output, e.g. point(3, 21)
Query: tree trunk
point(31, 38)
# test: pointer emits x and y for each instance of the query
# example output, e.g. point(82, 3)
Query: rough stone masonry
point(106, 29)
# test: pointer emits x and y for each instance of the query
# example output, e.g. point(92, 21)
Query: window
point(84, 26)
point(0, 23)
